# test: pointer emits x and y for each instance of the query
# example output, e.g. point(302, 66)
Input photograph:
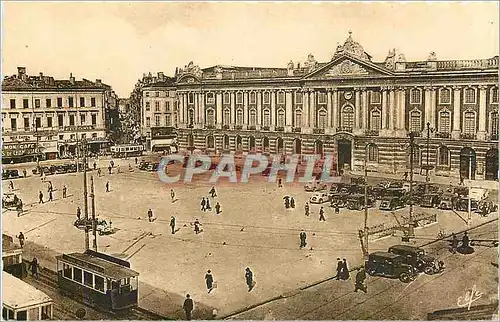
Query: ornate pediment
point(346, 67)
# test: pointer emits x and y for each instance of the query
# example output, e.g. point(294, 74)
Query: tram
point(23, 302)
point(12, 261)
point(123, 151)
point(98, 280)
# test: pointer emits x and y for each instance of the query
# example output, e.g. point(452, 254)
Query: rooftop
point(17, 294)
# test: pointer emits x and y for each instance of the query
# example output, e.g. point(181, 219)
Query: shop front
point(17, 152)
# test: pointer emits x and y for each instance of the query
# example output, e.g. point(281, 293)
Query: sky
point(119, 41)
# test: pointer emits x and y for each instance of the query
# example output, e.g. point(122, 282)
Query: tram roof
point(98, 265)
point(9, 247)
point(17, 294)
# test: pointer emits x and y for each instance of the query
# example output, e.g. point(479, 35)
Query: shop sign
point(18, 149)
point(79, 128)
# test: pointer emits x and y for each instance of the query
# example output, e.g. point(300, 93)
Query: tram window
point(67, 271)
point(46, 312)
point(99, 283)
point(34, 313)
point(7, 314)
point(77, 274)
point(22, 315)
point(88, 279)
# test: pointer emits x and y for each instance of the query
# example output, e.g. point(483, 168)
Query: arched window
point(470, 95)
point(375, 120)
point(239, 117)
point(280, 146)
point(494, 95)
point(322, 121)
point(443, 156)
point(281, 118)
point(444, 96)
point(210, 142)
point(281, 97)
point(347, 118)
point(253, 117)
point(444, 121)
point(252, 98)
point(494, 123)
point(210, 98)
point(251, 143)
point(227, 117)
point(415, 96)
point(298, 98)
point(239, 143)
point(267, 98)
point(265, 144)
point(470, 122)
point(226, 142)
point(415, 121)
point(266, 120)
point(210, 117)
point(239, 98)
point(298, 118)
point(372, 152)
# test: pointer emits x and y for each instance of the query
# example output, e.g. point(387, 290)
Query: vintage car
point(144, 165)
point(486, 207)
point(384, 184)
point(447, 201)
point(10, 174)
point(377, 192)
point(478, 194)
point(152, 166)
point(103, 227)
point(462, 204)
point(9, 200)
point(357, 202)
point(461, 191)
point(319, 197)
point(358, 180)
point(430, 200)
point(61, 169)
point(72, 168)
point(417, 258)
point(338, 199)
point(392, 203)
point(396, 185)
point(391, 266)
point(315, 186)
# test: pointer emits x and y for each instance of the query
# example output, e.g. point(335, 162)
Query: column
point(455, 134)
point(218, 102)
point(259, 108)
point(391, 109)
point(305, 113)
point(202, 108)
point(357, 108)
point(312, 109)
point(427, 105)
point(273, 108)
point(481, 135)
point(402, 109)
point(329, 107)
point(335, 106)
point(384, 108)
point(432, 116)
point(364, 102)
point(245, 109)
point(232, 96)
point(288, 108)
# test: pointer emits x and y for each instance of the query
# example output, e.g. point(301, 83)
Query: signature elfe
point(470, 297)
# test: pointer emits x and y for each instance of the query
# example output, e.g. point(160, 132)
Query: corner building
point(352, 107)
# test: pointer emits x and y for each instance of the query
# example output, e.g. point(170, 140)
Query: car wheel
point(429, 270)
point(371, 272)
point(405, 277)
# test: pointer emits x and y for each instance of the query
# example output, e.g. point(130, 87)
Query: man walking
point(64, 191)
point(217, 208)
point(322, 214)
point(11, 184)
point(150, 215)
point(21, 239)
point(454, 244)
point(197, 226)
point(50, 195)
point(40, 197)
point(339, 269)
point(209, 279)
point(249, 279)
point(303, 237)
point(172, 195)
point(172, 224)
point(34, 267)
point(188, 307)
point(109, 169)
point(203, 204)
point(107, 186)
point(207, 205)
point(306, 209)
point(345, 270)
point(213, 193)
point(78, 213)
point(292, 203)
point(360, 281)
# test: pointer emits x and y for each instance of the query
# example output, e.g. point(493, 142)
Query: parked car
point(447, 201)
point(357, 202)
point(377, 192)
point(462, 204)
point(395, 185)
point(319, 197)
point(358, 180)
point(10, 174)
point(391, 266)
point(144, 165)
point(315, 186)
point(61, 169)
point(417, 258)
point(391, 203)
point(461, 191)
point(152, 166)
point(478, 194)
point(486, 207)
point(384, 184)
point(9, 200)
point(430, 200)
point(339, 199)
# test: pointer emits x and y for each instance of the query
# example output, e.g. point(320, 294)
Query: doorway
point(468, 164)
point(344, 154)
point(491, 166)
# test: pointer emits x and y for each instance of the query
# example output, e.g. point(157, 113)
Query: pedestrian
point(40, 197)
point(136, 160)
point(203, 204)
point(197, 226)
point(150, 215)
point(99, 172)
point(217, 208)
point(78, 213)
point(95, 166)
point(303, 237)
point(287, 201)
point(280, 183)
point(339, 268)
point(212, 192)
point(107, 186)
point(172, 224)
point(11, 184)
point(19, 207)
point(345, 270)
point(209, 280)
point(109, 169)
point(306, 209)
point(111, 163)
point(25, 174)
point(34, 267)
point(249, 279)
point(360, 281)
point(188, 307)
point(51, 187)
point(64, 191)
point(21, 239)
point(207, 205)
point(322, 214)
point(454, 244)
point(292, 202)
point(461, 181)
point(172, 195)
point(50, 196)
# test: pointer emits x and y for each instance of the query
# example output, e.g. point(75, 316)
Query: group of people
point(289, 202)
point(205, 202)
point(464, 247)
point(307, 212)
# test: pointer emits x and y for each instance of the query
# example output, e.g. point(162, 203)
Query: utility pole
point(411, 232)
point(366, 208)
point(92, 206)
point(469, 204)
point(85, 196)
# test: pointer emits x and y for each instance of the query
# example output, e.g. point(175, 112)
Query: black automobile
point(395, 185)
point(357, 202)
point(392, 203)
point(430, 200)
point(391, 266)
point(143, 165)
point(10, 174)
point(417, 258)
point(338, 199)
point(61, 169)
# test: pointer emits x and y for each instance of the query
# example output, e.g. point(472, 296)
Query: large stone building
point(47, 117)
point(355, 108)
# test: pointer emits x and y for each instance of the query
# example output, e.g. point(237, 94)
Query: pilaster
point(312, 109)
point(273, 108)
point(357, 109)
point(288, 108)
point(196, 108)
point(218, 102)
point(202, 108)
point(364, 102)
point(305, 114)
point(232, 96)
point(335, 107)
point(391, 110)
point(245, 109)
point(259, 108)
point(455, 133)
point(384, 108)
point(481, 134)
point(329, 109)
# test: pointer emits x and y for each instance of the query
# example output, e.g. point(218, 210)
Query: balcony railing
point(297, 129)
point(265, 128)
point(251, 127)
point(417, 134)
point(443, 135)
point(238, 127)
point(280, 128)
point(318, 131)
point(225, 127)
point(344, 129)
point(372, 132)
point(468, 136)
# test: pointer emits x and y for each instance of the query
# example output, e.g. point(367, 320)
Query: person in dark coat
point(203, 202)
point(107, 186)
point(209, 279)
point(292, 202)
point(34, 267)
point(95, 166)
point(345, 270)
point(339, 269)
point(280, 183)
point(150, 215)
point(25, 173)
point(78, 213)
point(135, 160)
point(40, 197)
point(287, 201)
point(64, 190)
point(322, 214)
point(197, 226)
point(360, 281)
point(188, 307)
point(249, 279)
point(109, 169)
point(217, 208)
point(213, 193)
point(50, 196)
point(172, 195)
point(337, 209)
point(303, 238)
point(21, 239)
point(454, 244)
point(172, 224)
point(306, 209)
point(465, 240)
point(207, 205)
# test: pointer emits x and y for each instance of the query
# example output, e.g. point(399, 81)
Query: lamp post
point(411, 232)
point(429, 130)
point(85, 196)
point(366, 202)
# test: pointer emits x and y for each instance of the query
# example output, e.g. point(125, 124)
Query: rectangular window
point(470, 123)
point(48, 102)
point(26, 103)
point(321, 98)
point(37, 103)
point(267, 98)
point(70, 102)
point(94, 119)
point(210, 98)
point(157, 120)
point(168, 120)
point(77, 274)
point(375, 97)
point(415, 122)
point(60, 120)
point(415, 96)
point(266, 118)
point(148, 121)
point(281, 98)
point(239, 98)
point(253, 98)
point(12, 103)
point(92, 101)
point(298, 98)
point(49, 121)
point(67, 271)
point(82, 101)
point(38, 122)
point(157, 106)
point(13, 124)
point(99, 283)
point(147, 94)
point(148, 106)
point(227, 98)
point(88, 279)
point(445, 96)
point(191, 98)
point(444, 122)
point(59, 102)
point(157, 94)
point(470, 95)
point(82, 119)
point(26, 124)
point(71, 120)
point(167, 106)
point(494, 95)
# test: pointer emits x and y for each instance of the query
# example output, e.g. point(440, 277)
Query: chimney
point(98, 81)
point(71, 79)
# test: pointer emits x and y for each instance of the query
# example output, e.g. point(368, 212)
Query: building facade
point(158, 111)
point(352, 107)
point(46, 118)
